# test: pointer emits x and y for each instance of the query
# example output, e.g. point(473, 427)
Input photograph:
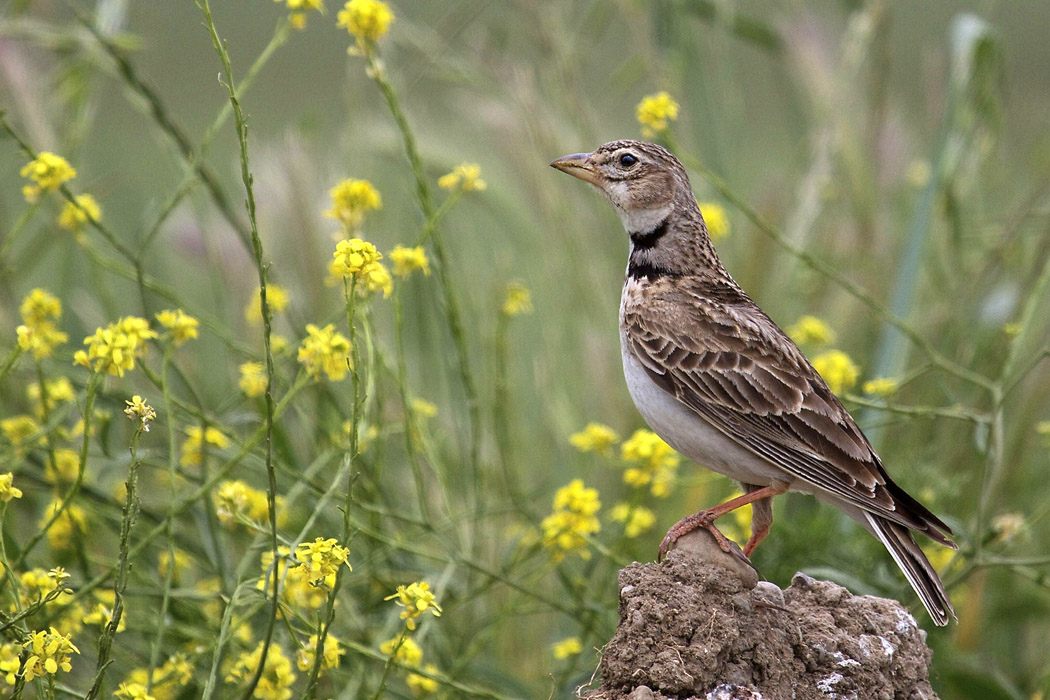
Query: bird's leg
point(761, 519)
point(706, 519)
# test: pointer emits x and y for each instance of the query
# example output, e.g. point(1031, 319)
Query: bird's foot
point(704, 519)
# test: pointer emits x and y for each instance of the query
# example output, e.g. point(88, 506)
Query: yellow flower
point(102, 613)
point(296, 592)
point(40, 306)
point(276, 299)
point(277, 676)
point(164, 682)
point(70, 524)
point(422, 685)
point(191, 446)
point(320, 561)
point(656, 462)
point(58, 391)
point(407, 653)
point(113, 349)
point(517, 300)
point(325, 350)
point(74, 216)
point(366, 20)
point(9, 662)
point(236, 501)
point(837, 369)
point(352, 199)
point(183, 563)
point(408, 260)
point(883, 386)
point(940, 557)
point(46, 173)
point(297, 10)
point(655, 112)
point(253, 379)
point(717, 220)
point(333, 649)
point(465, 176)
point(810, 330)
point(636, 519)
point(352, 257)
point(570, 646)
point(39, 335)
point(137, 409)
point(22, 432)
point(49, 651)
point(376, 278)
point(183, 327)
point(574, 518)
point(66, 467)
point(423, 408)
point(133, 691)
point(416, 599)
point(7, 488)
point(595, 437)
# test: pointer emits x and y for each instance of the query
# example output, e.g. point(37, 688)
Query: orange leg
point(761, 520)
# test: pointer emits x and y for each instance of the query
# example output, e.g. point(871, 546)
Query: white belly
point(688, 433)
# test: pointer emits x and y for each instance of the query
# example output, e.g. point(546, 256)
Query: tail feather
point(916, 567)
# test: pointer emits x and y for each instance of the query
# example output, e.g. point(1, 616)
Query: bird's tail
point(916, 567)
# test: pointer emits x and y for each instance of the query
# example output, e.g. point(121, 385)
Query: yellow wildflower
point(376, 278)
point(416, 599)
point(277, 676)
point(325, 350)
point(837, 369)
point(1012, 330)
point(8, 490)
point(102, 613)
point(352, 199)
point(195, 437)
point(253, 379)
point(717, 220)
point(113, 349)
point(517, 300)
point(408, 260)
point(276, 298)
point(74, 216)
point(237, 501)
point(655, 112)
point(133, 691)
point(183, 327)
point(46, 173)
point(882, 386)
point(39, 334)
point(636, 519)
point(404, 649)
point(66, 467)
point(320, 561)
point(183, 563)
point(58, 391)
point(423, 408)
point(656, 462)
point(49, 651)
point(138, 410)
point(297, 10)
point(810, 330)
point(595, 437)
point(354, 259)
point(9, 662)
point(296, 592)
point(574, 518)
point(40, 306)
point(22, 432)
point(570, 646)
point(366, 20)
point(333, 649)
point(70, 524)
point(465, 177)
point(421, 684)
point(164, 682)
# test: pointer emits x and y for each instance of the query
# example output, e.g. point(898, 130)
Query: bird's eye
point(627, 160)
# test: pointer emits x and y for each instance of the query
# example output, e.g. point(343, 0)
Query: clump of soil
point(700, 626)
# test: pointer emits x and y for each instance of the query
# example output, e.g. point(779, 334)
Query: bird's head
point(642, 180)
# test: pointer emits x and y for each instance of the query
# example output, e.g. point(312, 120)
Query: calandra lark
point(718, 380)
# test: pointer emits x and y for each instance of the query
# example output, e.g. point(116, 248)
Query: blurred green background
point(833, 121)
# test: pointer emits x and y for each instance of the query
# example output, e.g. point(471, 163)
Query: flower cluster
point(320, 560)
point(359, 260)
point(102, 613)
point(296, 592)
point(38, 333)
point(595, 437)
point(8, 490)
point(416, 599)
point(297, 10)
point(810, 330)
point(196, 439)
point(656, 463)
point(325, 350)
point(70, 524)
point(408, 260)
point(717, 220)
point(164, 682)
point(277, 676)
point(236, 501)
point(465, 177)
point(75, 215)
point(881, 386)
point(46, 173)
point(635, 519)
point(837, 369)
point(351, 200)
point(183, 327)
point(55, 391)
point(405, 650)
point(574, 518)
point(276, 298)
point(333, 650)
point(138, 410)
point(366, 20)
point(49, 650)
point(570, 646)
point(253, 379)
point(114, 349)
point(517, 300)
point(655, 113)
point(21, 431)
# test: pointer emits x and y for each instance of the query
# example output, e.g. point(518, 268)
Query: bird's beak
point(578, 165)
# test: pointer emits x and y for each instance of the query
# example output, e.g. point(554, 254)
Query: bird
point(722, 384)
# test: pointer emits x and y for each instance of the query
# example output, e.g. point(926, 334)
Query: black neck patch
point(637, 269)
point(647, 239)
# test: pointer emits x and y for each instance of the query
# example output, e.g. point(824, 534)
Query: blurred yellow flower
point(465, 177)
point(39, 335)
point(46, 173)
point(656, 462)
point(325, 350)
point(366, 20)
point(191, 446)
point(102, 613)
point(40, 306)
point(333, 650)
point(253, 379)
point(183, 563)
point(636, 519)
point(837, 369)
point(570, 646)
point(404, 649)
point(22, 432)
point(66, 467)
point(517, 300)
point(114, 349)
point(717, 220)
point(882, 386)
point(574, 517)
point(133, 691)
point(655, 112)
point(276, 298)
point(72, 523)
point(416, 598)
point(10, 662)
point(73, 217)
point(297, 10)
point(421, 685)
point(236, 501)
point(352, 199)
point(277, 676)
point(595, 437)
point(8, 490)
point(320, 561)
point(408, 260)
point(810, 330)
point(297, 595)
point(57, 391)
point(423, 408)
point(183, 327)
